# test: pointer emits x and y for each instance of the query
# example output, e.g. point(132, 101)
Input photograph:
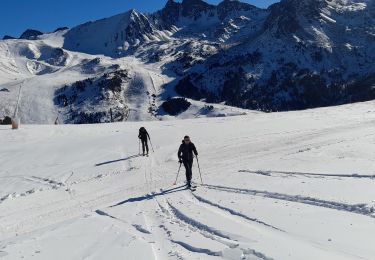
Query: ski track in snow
point(233, 212)
point(181, 219)
point(213, 233)
point(307, 175)
point(197, 250)
point(208, 232)
point(362, 209)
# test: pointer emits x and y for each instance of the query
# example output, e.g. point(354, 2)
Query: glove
point(180, 160)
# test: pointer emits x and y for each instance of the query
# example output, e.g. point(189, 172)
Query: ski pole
point(177, 174)
point(200, 174)
point(152, 147)
point(139, 146)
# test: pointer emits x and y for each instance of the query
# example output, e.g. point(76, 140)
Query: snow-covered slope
point(40, 68)
point(76, 87)
point(296, 185)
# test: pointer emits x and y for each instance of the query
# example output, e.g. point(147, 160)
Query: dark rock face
point(61, 29)
point(284, 16)
point(173, 11)
point(30, 34)
point(79, 98)
point(4, 90)
point(137, 28)
point(228, 7)
point(175, 106)
point(170, 13)
point(7, 37)
point(283, 19)
point(58, 57)
point(195, 8)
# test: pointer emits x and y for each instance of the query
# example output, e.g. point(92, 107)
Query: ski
point(192, 187)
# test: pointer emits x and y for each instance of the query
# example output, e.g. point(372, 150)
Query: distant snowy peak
point(61, 29)
point(8, 37)
point(194, 8)
point(290, 17)
point(234, 8)
point(30, 34)
point(285, 16)
point(216, 23)
point(175, 12)
point(186, 12)
point(113, 36)
point(121, 34)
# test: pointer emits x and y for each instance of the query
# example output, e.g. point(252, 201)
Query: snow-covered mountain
point(293, 55)
point(307, 54)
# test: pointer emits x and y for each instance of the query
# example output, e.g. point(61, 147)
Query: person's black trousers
point(188, 167)
point(144, 145)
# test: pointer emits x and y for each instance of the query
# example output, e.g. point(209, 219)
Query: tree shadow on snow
point(150, 196)
point(118, 160)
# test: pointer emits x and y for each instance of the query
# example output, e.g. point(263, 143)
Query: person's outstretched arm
point(195, 150)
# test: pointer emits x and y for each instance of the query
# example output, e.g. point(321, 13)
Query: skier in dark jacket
point(143, 135)
point(185, 156)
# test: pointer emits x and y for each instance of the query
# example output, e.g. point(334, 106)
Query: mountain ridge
point(293, 55)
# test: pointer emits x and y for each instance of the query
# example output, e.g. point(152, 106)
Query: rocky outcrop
point(30, 34)
point(94, 100)
point(7, 37)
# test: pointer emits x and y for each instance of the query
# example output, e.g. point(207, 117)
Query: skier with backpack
point(185, 156)
point(143, 136)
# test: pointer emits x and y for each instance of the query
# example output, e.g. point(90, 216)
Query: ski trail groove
point(361, 209)
point(321, 175)
point(198, 225)
point(197, 250)
point(247, 251)
point(233, 212)
point(206, 233)
point(158, 253)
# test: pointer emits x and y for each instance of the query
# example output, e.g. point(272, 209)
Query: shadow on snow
point(151, 196)
point(119, 160)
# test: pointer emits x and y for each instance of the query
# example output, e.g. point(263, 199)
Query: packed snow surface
point(296, 185)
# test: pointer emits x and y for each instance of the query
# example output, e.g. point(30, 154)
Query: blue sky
point(46, 15)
